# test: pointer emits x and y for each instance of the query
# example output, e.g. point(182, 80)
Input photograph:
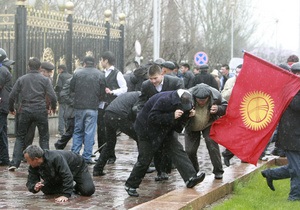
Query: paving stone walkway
point(110, 193)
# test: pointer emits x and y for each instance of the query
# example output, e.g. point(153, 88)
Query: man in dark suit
point(163, 114)
point(159, 82)
point(156, 83)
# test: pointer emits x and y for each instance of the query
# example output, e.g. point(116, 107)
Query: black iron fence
point(58, 37)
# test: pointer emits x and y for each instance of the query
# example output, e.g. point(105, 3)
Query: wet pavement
point(110, 193)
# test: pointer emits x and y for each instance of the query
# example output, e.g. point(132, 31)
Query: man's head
point(47, 69)
point(238, 69)
point(202, 94)
point(186, 100)
point(89, 61)
point(3, 55)
point(185, 67)
point(203, 68)
point(107, 59)
point(61, 68)
point(34, 64)
point(224, 70)
point(292, 59)
point(155, 75)
point(34, 155)
point(167, 67)
point(295, 68)
point(196, 70)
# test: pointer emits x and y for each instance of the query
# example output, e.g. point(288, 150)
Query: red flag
point(261, 94)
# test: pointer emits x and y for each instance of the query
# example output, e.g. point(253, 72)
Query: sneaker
point(58, 135)
point(218, 176)
point(131, 191)
point(12, 168)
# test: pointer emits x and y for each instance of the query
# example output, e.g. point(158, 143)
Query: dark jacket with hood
point(288, 128)
point(5, 88)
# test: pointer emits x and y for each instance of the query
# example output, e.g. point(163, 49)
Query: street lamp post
point(69, 43)
point(20, 44)
point(156, 29)
point(232, 9)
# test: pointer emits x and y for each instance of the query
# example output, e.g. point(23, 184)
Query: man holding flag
point(289, 141)
point(256, 105)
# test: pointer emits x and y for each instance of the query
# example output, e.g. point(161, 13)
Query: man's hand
point(61, 199)
point(178, 113)
point(192, 113)
point(108, 91)
point(12, 113)
point(214, 109)
point(38, 186)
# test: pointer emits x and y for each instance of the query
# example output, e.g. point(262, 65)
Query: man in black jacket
point(68, 99)
point(159, 82)
point(33, 88)
point(289, 140)
point(163, 114)
point(5, 88)
point(62, 78)
point(205, 77)
point(53, 172)
point(88, 85)
point(119, 115)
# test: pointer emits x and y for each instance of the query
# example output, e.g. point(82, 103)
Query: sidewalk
point(110, 193)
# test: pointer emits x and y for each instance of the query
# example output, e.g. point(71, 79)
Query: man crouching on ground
point(53, 172)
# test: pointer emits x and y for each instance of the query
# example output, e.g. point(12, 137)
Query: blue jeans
point(292, 171)
point(84, 131)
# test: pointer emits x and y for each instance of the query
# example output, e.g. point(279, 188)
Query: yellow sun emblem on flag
point(257, 110)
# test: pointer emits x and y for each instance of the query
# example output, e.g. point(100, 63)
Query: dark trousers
point(101, 136)
point(4, 156)
point(84, 184)
point(25, 120)
point(292, 171)
point(113, 123)
point(162, 160)
point(192, 143)
point(65, 138)
point(146, 152)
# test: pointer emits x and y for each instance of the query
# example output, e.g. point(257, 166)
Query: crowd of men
point(153, 105)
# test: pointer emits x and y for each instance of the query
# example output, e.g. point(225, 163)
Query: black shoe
point(150, 170)
point(131, 191)
point(227, 155)
point(218, 176)
point(227, 161)
point(192, 182)
point(111, 161)
point(162, 176)
point(278, 152)
point(98, 173)
point(269, 180)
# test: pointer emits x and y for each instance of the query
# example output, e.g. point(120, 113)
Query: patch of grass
point(255, 194)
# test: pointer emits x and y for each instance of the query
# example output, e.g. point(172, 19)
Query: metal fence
point(57, 37)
